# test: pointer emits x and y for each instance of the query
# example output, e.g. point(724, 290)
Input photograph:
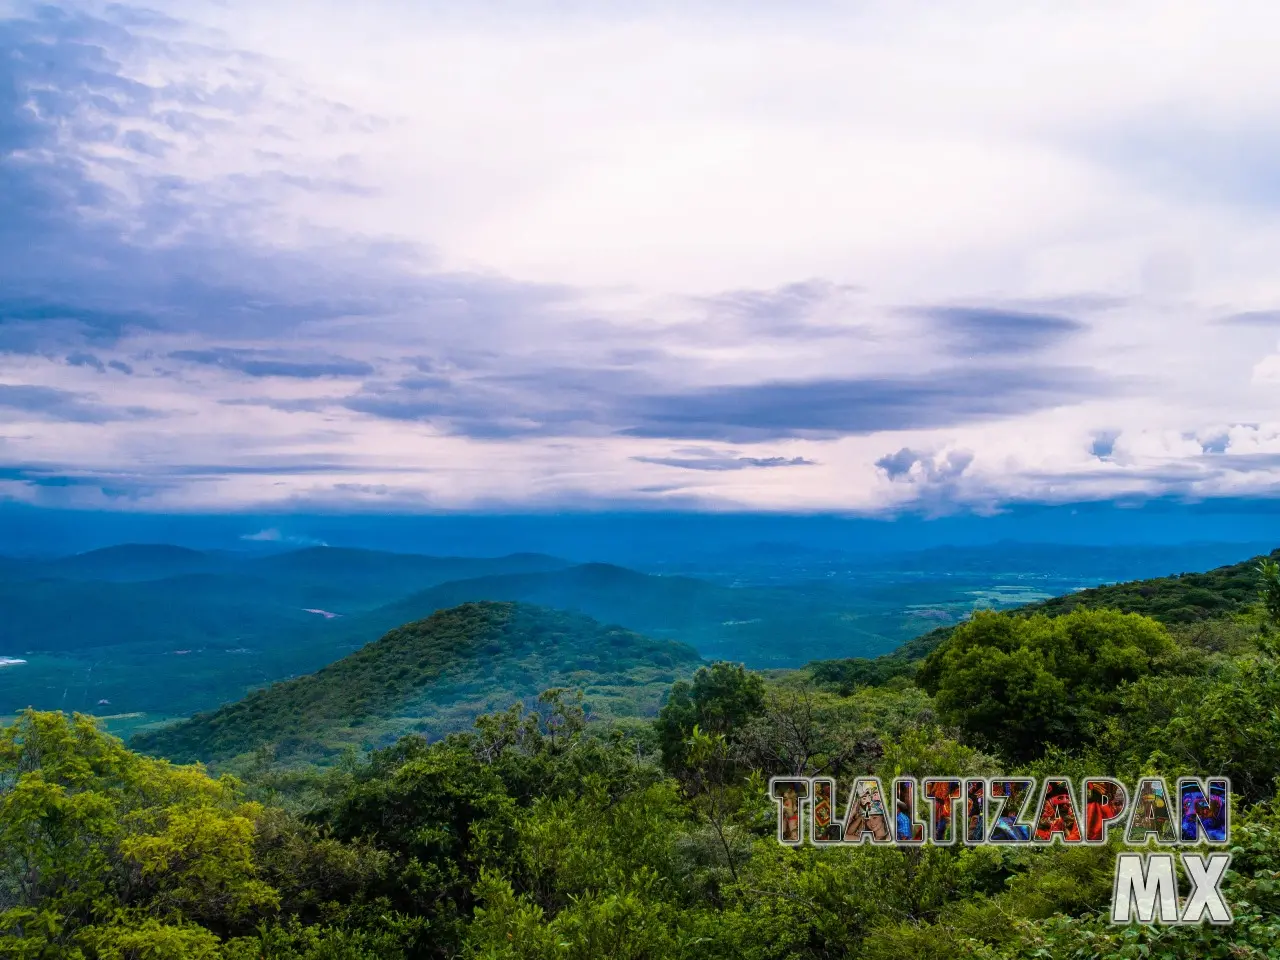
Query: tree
point(99, 845)
point(1016, 683)
point(721, 699)
point(801, 733)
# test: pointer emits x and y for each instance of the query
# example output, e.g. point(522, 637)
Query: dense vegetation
point(434, 675)
point(1186, 598)
point(542, 835)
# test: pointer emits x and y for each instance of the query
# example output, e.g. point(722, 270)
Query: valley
point(161, 632)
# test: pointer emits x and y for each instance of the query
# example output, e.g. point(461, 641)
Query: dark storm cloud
point(548, 401)
point(33, 324)
point(266, 363)
point(898, 464)
point(987, 330)
point(859, 405)
point(631, 403)
point(111, 486)
point(65, 405)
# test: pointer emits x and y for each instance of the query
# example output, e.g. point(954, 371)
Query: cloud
point(913, 466)
point(1253, 318)
point(101, 239)
point(1217, 443)
point(54, 404)
point(983, 330)
point(30, 324)
point(81, 359)
point(528, 318)
point(701, 459)
point(551, 401)
point(273, 535)
point(810, 308)
point(267, 363)
point(1214, 159)
point(58, 485)
point(861, 405)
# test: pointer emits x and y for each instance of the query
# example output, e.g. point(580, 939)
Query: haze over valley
point(142, 634)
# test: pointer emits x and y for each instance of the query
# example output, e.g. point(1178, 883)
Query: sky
point(860, 258)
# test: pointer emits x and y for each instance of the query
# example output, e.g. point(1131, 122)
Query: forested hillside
point(1196, 604)
point(1186, 598)
point(541, 835)
point(435, 675)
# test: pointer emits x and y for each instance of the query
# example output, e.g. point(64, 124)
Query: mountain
point(434, 675)
point(179, 598)
point(131, 561)
point(391, 574)
point(180, 612)
point(1102, 563)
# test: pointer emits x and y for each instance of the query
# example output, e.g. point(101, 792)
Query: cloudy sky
point(803, 256)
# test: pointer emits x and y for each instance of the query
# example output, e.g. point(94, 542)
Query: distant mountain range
point(144, 593)
point(161, 631)
point(133, 562)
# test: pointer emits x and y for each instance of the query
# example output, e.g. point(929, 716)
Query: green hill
point(434, 675)
point(1185, 598)
point(1175, 601)
point(653, 604)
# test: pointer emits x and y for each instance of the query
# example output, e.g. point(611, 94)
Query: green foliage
point(1222, 723)
point(721, 698)
point(100, 847)
point(1252, 887)
point(1016, 683)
